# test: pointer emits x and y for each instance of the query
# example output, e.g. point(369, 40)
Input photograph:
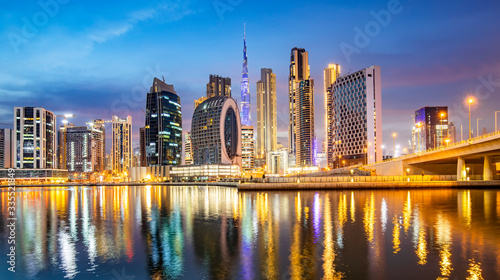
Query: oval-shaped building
point(216, 132)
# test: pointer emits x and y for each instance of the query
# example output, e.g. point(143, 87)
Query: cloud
point(13, 95)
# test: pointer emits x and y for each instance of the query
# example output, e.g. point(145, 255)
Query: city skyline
point(411, 77)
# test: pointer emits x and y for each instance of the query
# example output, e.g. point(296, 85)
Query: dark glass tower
point(245, 92)
point(163, 125)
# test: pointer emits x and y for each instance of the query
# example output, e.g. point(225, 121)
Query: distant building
point(452, 132)
point(299, 71)
point(199, 101)
point(36, 146)
point(246, 119)
point(431, 128)
point(218, 86)
point(331, 74)
point(356, 123)
point(83, 148)
point(99, 124)
point(142, 147)
point(216, 132)
point(247, 148)
point(277, 162)
point(163, 125)
point(7, 148)
point(305, 146)
point(188, 149)
point(121, 149)
point(267, 136)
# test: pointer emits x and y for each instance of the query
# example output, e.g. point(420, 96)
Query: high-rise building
point(36, 146)
point(199, 101)
point(331, 74)
point(247, 147)
point(356, 123)
point(218, 86)
point(188, 149)
point(121, 148)
point(305, 143)
point(142, 147)
point(246, 119)
point(216, 132)
point(84, 146)
point(452, 133)
point(163, 125)
point(431, 128)
point(299, 71)
point(61, 145)
point(7, 148)
point(267, 137)
point(99, 124)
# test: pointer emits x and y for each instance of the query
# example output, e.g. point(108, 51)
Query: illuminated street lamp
point(470, 101)
point(447, 142)
point(394, 145)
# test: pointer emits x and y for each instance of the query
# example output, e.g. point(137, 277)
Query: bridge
point(467, 159)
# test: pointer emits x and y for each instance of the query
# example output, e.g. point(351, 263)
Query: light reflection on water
point(217, 233)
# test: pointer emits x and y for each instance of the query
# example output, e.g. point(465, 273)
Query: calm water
point(218, 233)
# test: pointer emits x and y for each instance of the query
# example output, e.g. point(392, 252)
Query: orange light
point(471, 100)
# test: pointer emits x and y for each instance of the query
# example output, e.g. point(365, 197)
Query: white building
point(356, 118)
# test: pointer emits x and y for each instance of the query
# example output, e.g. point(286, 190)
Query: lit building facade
point(299, 71)
point(35, 138)
point(267, 137)
point(142, 147)
point(199, 101)
point(188, 149)
point(7, 148)
point(356, 123)
point(246, 119)
point(99, 124)
point(277, 162)
point(331, 74)
point(218, 86)
point(305, 140)
point(430, 129)
point(247, 147)
point(121, 148)
point(216, 132)
point(83, 149)
point(163, 125)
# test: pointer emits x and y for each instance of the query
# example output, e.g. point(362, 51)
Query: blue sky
point(98, 58)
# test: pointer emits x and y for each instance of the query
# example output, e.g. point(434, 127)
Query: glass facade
point(163, 125)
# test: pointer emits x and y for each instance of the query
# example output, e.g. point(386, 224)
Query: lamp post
point(471, 100)
point(442, 136)
point(477, 126)
point(496, 126)
point(394, 145)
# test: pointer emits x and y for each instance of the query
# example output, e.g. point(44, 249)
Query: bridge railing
point(344, 179)
point(442, 148)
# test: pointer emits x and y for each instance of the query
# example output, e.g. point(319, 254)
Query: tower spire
point(245, 93)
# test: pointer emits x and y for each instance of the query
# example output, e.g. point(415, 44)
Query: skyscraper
point(299, 71)
point(83, 149)
point(305, 143)
point(218, 86)
point(247, 147)
point(36, 146)
point(356, 123)
point(7, 148)
point(331, 74)
point(142, 147)
point(431, 128)
point(188, 149)
point(99, 124)
point(121, 149)
point(245, 90)
point(267, 138)
point(216, 132)
point(163, 125)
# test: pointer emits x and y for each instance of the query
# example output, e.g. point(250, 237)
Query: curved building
point(216, 132)
point(163, 131)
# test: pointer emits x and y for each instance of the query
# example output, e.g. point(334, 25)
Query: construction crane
point(66, 117)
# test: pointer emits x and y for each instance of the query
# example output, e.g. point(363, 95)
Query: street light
point(442, 136)
point(394, 145)
point(470, 101)
point(477, 126)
